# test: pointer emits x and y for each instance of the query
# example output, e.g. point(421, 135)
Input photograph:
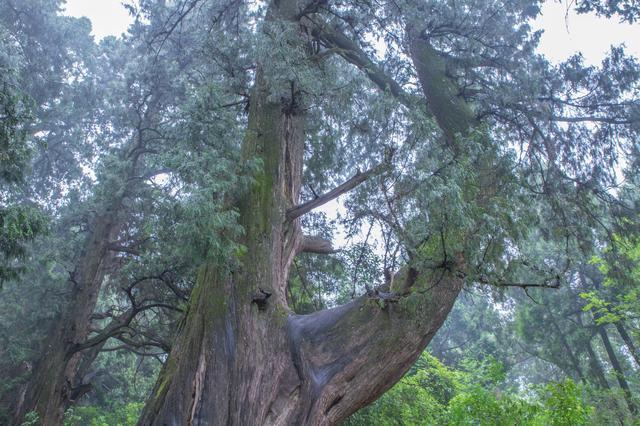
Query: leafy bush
point(126, 415)
point(434, 394)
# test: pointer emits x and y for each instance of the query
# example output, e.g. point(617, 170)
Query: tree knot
point(260, 299)
point(383, 298)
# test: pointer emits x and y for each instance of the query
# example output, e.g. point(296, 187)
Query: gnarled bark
point(348, 356)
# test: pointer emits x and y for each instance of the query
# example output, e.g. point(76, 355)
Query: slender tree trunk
point(628, 341)
point(617, 368)
point(594, 363)
point(50, 388)
point(575, 363)
point(596, 367)
point(596, 279)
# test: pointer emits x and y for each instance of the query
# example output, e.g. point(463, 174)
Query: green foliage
point(563, 405)
point(618, 297)
point(15, 113)
point(483, 407)
point(421, 397)
point(432, 394)
point(18, 226)
point(20, 222)
point(31, 419)
point(126, 415)
point(146, 130)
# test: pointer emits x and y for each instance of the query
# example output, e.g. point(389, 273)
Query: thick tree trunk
point(49, 390)
point(242, 356)
point(237, 364)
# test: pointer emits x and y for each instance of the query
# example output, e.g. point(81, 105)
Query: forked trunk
point(242, 356)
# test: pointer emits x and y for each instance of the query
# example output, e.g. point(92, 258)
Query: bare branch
point(317, 245)
point(555, 284)
point(547, 283)
point(347, 186)
point(594, 119)
point(118, 324)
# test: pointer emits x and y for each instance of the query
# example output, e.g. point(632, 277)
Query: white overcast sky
point(564, 34)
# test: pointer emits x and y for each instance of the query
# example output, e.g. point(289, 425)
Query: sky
point(565, 34)
point(108, 17)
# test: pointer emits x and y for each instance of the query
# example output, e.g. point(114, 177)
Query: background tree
point(95, 175)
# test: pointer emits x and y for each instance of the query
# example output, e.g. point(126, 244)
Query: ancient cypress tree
point(487, 126)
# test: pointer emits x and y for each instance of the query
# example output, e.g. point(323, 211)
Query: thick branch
point(123, 249)
point(453, 115)
point(150, 341)
point(110, 330)
point(347, 186)
point(317, 245)
point(350, 355)
point(115, 327)
point(335, 39)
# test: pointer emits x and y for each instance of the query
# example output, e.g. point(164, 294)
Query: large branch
point(334, 38)
point(352, 354)
point(316, 245)
point(347, 186)
point(112, 329)
point(118, 324)
point(452, 113)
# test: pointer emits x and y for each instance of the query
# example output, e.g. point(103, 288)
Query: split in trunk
point(242, 356)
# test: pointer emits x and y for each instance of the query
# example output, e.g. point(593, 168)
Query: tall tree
point(118, 120)
point(241, 355)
